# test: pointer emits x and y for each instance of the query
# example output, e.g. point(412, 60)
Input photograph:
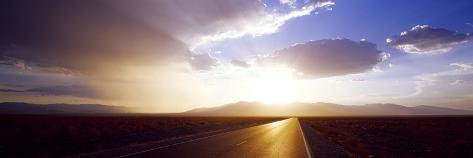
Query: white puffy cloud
point(423, 39)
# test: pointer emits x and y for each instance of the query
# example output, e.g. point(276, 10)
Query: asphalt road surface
point(277, 139)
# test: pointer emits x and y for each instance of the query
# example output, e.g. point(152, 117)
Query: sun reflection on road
point(277, 123)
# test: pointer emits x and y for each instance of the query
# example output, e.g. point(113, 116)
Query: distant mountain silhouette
point(321, 109)
point(27, 108)
point(242, 109)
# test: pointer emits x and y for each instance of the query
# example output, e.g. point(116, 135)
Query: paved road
point(278, 139)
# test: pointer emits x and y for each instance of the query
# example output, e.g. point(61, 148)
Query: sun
point(275, 86)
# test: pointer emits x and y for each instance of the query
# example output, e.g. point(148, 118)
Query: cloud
point(240, 63)
point(12, 62)
point(358, 80)
point(290, 3)
point(94, 37)
point(462, 66)
point(423, 39)
point(202, 61)
point(460, 75)
point(85, 36)
point(384, 56)
point(215, 20)
point(129, 50)
point(33, 67)
point(457, 82)
point(10, 90)
point(449, 87)
point(328, 57)
point(446, 87)
point(67, 90)
point(469, 24)
point(63, 90)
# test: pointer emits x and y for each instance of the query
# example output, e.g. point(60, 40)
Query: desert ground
point(421, 136)
point(117, 135)
point(61, 135)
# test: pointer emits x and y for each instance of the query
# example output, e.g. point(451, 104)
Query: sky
point(176, 55)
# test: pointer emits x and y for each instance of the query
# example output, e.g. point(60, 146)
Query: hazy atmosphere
point(178, 55)
point(236, 78)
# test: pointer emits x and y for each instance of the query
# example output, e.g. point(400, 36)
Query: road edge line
point(307, 149)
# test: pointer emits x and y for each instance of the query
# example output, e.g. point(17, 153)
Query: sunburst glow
point(275, 85)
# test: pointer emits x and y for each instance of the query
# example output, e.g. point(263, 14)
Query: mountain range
point(322, 109)
point(243, 109)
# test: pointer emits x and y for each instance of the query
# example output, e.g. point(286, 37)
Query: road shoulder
point(320, 146)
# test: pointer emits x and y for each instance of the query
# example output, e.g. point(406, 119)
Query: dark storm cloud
point(328, 57)
point(108, 40)
point(202, 61)
point(106, 35)
point(425, 39)
point(240, 63)
point(87, 36)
